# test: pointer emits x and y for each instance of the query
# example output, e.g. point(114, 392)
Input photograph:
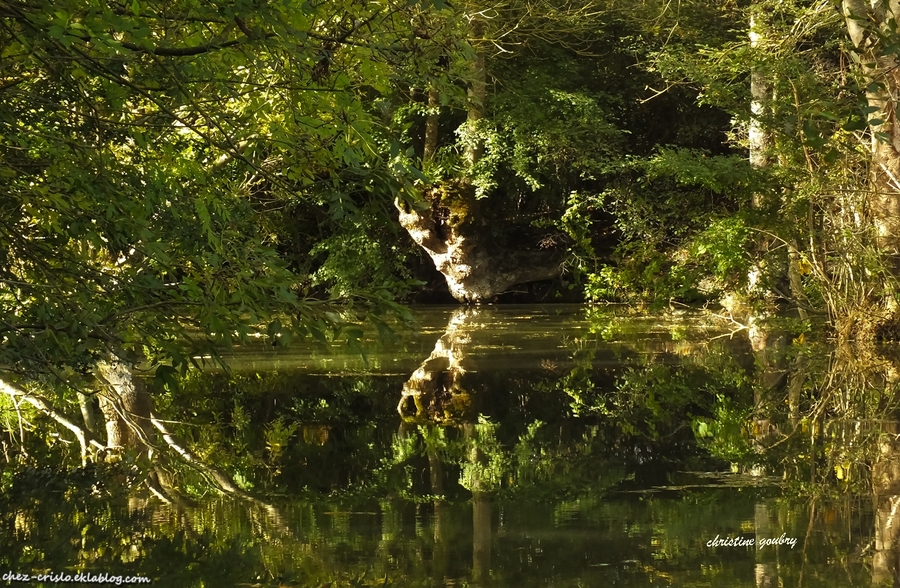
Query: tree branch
point(84, 437)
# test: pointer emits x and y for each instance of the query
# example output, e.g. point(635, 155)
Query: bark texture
point(451, 228)
point(760, 138)
point(761, 141)
point(475, 270)
point(126, 407)
point(865, 24)
point(886, 486)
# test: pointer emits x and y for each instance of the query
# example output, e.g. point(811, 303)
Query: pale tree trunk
point(451, 229)
point(126, 407)
point(864, 24)
point(86, 403)
point(760, 138)
point(886, 487)
point(761, 142)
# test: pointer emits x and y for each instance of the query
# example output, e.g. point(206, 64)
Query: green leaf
point(166, 376)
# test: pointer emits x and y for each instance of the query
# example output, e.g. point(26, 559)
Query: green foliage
point(485, 470)
point(680, 235)
point(725, 434)
point(362, 254)
point(554, 129)
point(145, 153)
point(722, 251)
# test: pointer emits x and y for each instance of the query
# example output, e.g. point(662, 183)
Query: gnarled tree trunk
point(460, 249)
point(126, 407)
point(451, 229)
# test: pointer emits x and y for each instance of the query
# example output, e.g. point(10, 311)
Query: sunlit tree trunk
point(760, 137)
point(886, 488)
point(869, 26)
point(126, 407)
point(86, 403)
point(451, 229)
point(761, 142)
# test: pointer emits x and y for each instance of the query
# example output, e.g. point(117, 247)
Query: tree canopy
point(181, 176)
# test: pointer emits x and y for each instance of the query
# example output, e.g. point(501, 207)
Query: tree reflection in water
point(526, 452)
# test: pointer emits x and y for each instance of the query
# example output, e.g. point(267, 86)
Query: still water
point(508, 446)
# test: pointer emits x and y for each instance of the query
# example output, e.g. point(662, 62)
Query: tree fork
point(452, 229)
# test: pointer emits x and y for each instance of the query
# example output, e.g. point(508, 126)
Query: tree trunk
point(761, 142)
point(865, 25)
point(126, 407)
point(432, 122)
point(451, 229)
point(886, 487)
point(760, 137)
point(86, 403)
point(475, 271)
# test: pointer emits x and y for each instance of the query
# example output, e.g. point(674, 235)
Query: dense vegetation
point(181, 176)
point(323, 484)
point(181, 168)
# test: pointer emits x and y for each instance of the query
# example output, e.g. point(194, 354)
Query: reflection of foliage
point(652, 399)
point(546, 464)
point(488, 462)
point(334, 441)
point(277, 434)
point(725, 434)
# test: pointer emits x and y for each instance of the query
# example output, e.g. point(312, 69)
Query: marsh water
point(511, 446)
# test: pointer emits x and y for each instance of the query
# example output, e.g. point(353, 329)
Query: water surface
point(509, 446)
